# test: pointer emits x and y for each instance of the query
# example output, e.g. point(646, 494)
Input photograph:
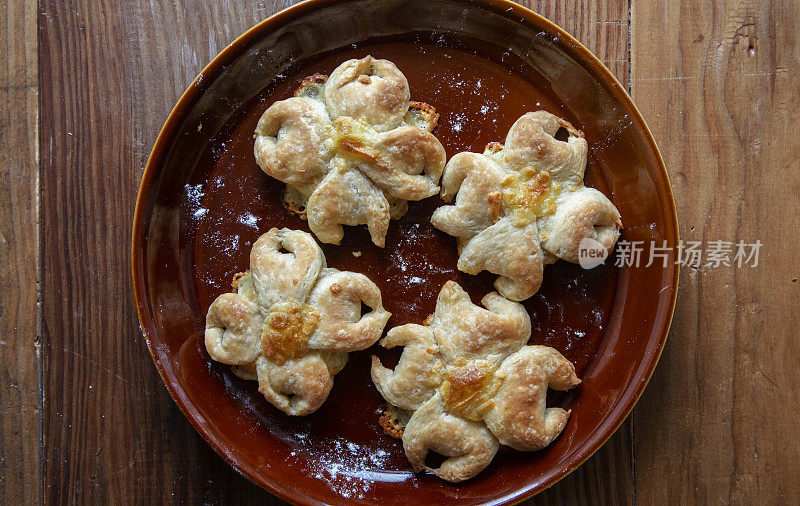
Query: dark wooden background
point(84, 88)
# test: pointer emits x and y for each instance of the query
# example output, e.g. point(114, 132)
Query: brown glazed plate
point(203, 201)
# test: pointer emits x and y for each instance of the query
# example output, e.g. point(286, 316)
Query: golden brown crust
point(233, 329)
point(369, 88)
point(418, 152)
point(468, 390)
point(286, 331)
point(393, 420)
point(360, 124)
point(469, 445)
point(511, 252)
point(422, 115)
point(292, 321)
point(235, 280)
point(278, 276)
point(347, 197)
point(310, 85)
point(342, 328)
point(495, 202)
point(473, 180)
point(492, 148)
point(298, 387)
point(522, 204)
point(416, 376)
point(466, 331)
point(471, 383)
point(519, 417)
point(290, 141)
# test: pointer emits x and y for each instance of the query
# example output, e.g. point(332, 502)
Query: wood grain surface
point(719, 86)
point(20, 364)
point(88, 419)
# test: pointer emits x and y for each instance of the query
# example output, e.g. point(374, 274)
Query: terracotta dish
point(203, 201)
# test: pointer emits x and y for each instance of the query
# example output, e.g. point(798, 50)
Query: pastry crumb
point(493, 147)
point(235, 281)
point(393, 420)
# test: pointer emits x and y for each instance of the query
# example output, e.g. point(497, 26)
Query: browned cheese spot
point(528, 194)
point(468, 390)
point(236, 278)
point(287, 330)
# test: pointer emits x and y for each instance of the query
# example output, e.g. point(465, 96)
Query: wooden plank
point(600, 26)
point(110, 73)
point(719, 421)
point(112, 433)
point(19, 256)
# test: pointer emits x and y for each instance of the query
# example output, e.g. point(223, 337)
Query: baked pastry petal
point(531, 141)
point(292, 321)
point(511, 251)
point(233, 330)
point(291, 139)
point(469, 445)
point(338, 296)
point(466, 331)
point(415, 378)
point(471, 383)
point(406, 161)
point(335, 360)
point(298, 387)
point(522, 205)
point(279, 276)
point(370, 89)
point(581, 213)
point(520, 417)
point(351, 148)
point(475, 181)
point(347, 197)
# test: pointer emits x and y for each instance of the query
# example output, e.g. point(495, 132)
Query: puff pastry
point(292, 321)
point(472, 384)
point(352, 148)
point(522, 205)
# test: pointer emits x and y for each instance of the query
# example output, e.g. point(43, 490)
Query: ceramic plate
point(203, 202)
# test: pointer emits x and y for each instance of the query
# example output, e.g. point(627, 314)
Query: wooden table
point(84, 88)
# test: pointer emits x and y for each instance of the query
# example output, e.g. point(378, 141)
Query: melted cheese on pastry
point(292, 321)
point(523, 204)
point(470, 383)
point(352, 148)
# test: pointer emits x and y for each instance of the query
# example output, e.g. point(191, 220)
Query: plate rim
point(233, 50)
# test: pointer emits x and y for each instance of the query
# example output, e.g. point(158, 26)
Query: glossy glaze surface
point(204, 202)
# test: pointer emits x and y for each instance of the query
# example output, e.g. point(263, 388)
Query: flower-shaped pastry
point(472, 383)
point(352, 148)
point(522, 205)
point(292, 321)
